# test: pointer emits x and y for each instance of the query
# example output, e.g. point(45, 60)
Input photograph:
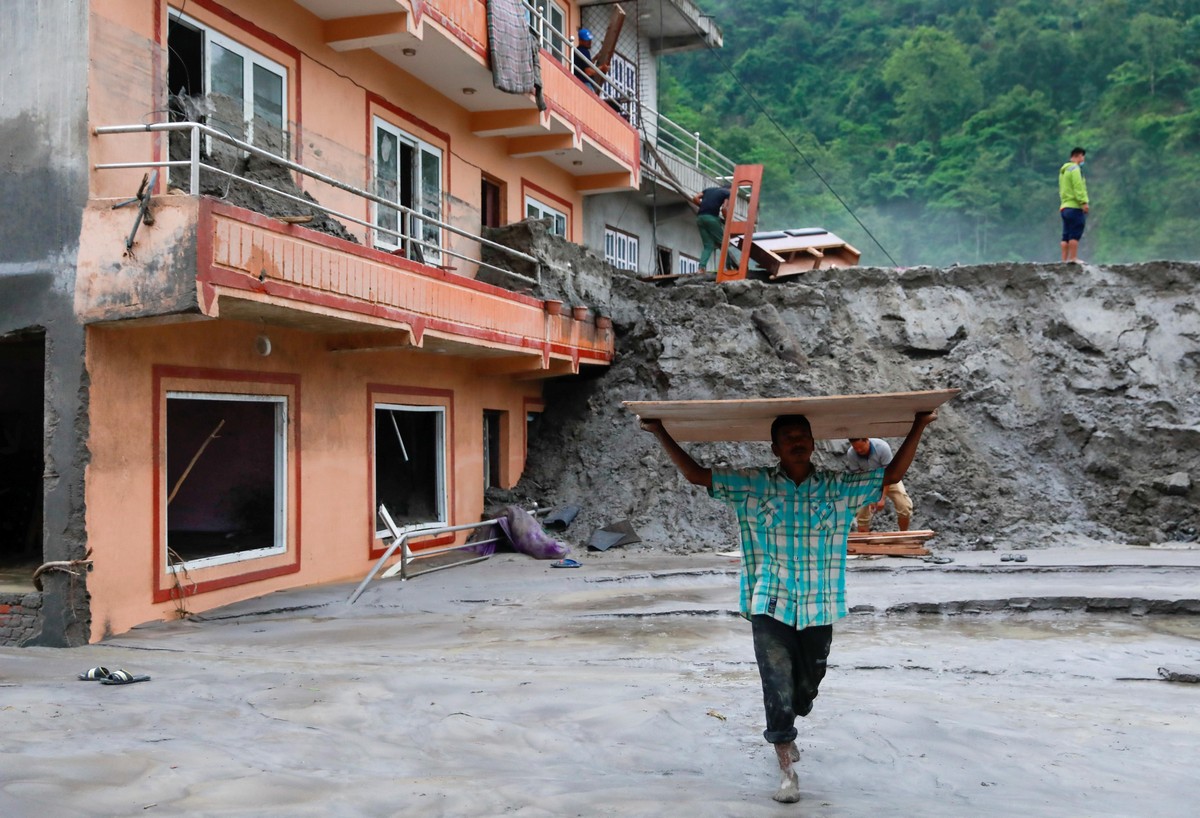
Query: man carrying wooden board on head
point(793, 519)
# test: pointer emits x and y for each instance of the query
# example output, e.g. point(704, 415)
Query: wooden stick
point(195, 457)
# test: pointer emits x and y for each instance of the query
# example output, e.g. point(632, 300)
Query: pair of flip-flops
point(1013, 558)
point(111, 677)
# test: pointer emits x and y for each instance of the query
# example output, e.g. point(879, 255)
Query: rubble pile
point(1079, 416)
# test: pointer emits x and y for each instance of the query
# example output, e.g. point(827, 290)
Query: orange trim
point(159, 373)
point(439, 397)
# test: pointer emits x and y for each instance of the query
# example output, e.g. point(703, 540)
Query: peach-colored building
point(208, 385)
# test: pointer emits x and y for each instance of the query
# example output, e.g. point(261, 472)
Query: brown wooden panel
point(888, 414)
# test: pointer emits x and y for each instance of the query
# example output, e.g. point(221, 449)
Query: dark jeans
point(792, 664)
point(1074, 220)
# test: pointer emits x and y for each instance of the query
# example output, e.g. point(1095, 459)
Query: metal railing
point(670, 139)
point(686, 147)
point(195, 163)
point(400, 542)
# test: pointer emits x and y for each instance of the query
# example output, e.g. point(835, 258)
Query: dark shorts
point(791, 664)
point(1073, 219)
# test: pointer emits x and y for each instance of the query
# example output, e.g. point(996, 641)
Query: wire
point(762, 109)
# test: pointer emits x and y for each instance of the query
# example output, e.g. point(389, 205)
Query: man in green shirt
point(1073, 204)
point(793, 519)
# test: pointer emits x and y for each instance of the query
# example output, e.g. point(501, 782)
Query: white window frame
point(280, 512)
point(441, 490)
point(622, 87)
point(548, 26)
point(535, 209)
point(621, 249)
point(250, 59)
point(408, 223)
point(687, 265)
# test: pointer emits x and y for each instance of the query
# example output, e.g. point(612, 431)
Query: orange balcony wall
point(213, 259)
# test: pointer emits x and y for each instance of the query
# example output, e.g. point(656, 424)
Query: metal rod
point(287, 163)
point(399, 437)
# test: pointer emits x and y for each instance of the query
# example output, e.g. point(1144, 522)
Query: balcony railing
point(677, 158)
point(688, 149)
point(195, 163)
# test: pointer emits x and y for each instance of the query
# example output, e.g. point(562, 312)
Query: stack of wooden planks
point(889, 543)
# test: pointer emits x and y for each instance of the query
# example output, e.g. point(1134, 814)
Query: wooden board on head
point(886, 414)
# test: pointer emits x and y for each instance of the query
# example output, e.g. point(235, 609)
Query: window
point(548, 29)
point(688, 265)
point(536, 210)
point(410, 465)
point(622, 88)
point(663, 266)
point(620, 249)
point(408, 172)
point(226, 484)
point(221, 82)
point(493, 431)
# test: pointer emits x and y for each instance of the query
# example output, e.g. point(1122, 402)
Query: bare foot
point(789, 787)
point(789, 783)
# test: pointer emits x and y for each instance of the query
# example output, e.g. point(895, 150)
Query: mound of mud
point(1079, 416)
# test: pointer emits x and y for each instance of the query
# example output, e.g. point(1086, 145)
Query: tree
point(936, 86)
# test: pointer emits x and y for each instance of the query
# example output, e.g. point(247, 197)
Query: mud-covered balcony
point(445, 45)
point(185, 256)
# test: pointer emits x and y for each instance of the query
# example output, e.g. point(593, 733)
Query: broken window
point(537, 210)
point(408, 171)
point(226, 486)
point(410, 465)
point(22, 462)
point(222, 83)
point(620, 249)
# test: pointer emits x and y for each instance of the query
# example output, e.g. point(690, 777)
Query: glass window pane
point(227, 90)
point(431, 197)
point(386, 186)
point(268, 97)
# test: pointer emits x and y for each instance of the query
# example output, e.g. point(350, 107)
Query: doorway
point(22, 456)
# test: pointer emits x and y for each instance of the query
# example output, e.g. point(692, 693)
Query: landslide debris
point(1078, 419)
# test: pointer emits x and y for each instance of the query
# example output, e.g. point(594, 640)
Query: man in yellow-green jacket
point(1073, 204)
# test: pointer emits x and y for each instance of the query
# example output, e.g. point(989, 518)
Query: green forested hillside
point(942, 123)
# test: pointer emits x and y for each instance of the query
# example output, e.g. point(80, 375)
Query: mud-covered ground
point(1078, 418)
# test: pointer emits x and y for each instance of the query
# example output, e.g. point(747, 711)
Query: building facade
point(239, 305)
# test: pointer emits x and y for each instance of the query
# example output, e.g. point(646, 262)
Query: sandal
point(123, 677)
point(95, 674)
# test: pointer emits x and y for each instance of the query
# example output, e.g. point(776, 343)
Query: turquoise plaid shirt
point(794, 539)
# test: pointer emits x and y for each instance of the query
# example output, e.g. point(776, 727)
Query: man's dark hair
point(788, 420)
point(1078, 152)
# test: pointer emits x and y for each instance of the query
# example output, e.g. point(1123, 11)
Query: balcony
point(444, 44)
point(202, 258)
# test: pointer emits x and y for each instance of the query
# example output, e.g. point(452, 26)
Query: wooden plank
point(616, 20)
point(888, 414)
point(889, 550)
point(922, 534)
